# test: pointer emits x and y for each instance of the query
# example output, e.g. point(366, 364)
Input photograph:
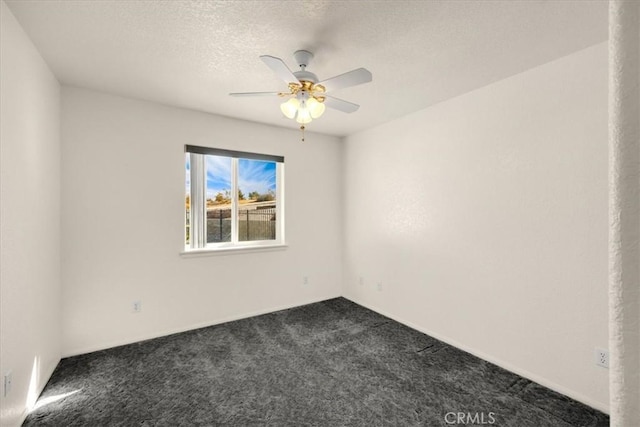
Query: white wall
point(123, 210)
point(29, 219)
point(485, 219)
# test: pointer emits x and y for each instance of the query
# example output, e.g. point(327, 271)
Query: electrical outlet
point(305, 280)
point(379, 286)
point(602, 357)
point(8, 379)
point(136, 306)
point(361, 281)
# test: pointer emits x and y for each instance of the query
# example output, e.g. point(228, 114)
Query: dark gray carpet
point(332, 363)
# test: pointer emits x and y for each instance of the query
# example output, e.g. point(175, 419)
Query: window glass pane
point(229, 199)
point(256, 200)
point(218, 199)
point(187, 199)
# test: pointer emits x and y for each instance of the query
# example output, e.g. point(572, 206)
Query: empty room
point(320, 213)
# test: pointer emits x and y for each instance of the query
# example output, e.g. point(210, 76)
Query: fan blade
point(280, 68)
point(257, 94)
point(351, 78)
point(341, 105)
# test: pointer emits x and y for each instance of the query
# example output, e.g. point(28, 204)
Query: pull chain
point(302, 129)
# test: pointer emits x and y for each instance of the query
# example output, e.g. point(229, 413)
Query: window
point(233, 199)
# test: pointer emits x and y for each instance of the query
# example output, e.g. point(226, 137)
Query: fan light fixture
point(303, 107)
point(308, 97)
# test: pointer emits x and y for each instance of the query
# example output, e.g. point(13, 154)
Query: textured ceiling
point(193, 53)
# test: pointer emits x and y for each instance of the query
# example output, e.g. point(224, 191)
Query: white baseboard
point(509, 367)
point(117, 343)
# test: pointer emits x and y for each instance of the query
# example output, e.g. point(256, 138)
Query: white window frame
point(198, 213)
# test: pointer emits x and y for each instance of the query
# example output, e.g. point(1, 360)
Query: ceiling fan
point(307, 97)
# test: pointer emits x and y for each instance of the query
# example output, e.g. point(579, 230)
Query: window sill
point(232, 250)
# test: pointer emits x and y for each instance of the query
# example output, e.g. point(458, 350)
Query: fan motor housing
point(304, 75)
